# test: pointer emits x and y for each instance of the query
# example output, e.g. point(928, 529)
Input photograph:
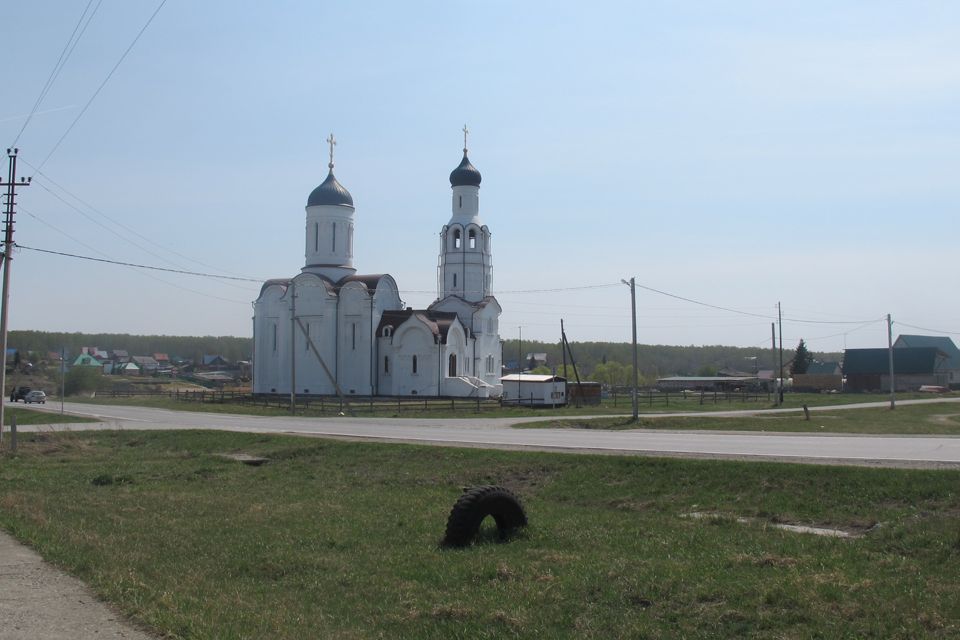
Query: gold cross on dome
point(332, 142)
point(465, 132)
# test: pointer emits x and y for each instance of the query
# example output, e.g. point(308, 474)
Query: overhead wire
point(58, 67)
point(102, 84)
point(138, 266)
point(941, 331)
point(46, 178)
point(113, 231)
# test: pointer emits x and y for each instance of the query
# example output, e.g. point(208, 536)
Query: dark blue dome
point(465, 174)
point(330, 192)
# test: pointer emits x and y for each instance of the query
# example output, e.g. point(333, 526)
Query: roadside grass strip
point(331, 539)
point(32, 416)
point(918, 419)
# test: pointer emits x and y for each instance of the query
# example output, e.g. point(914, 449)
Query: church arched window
point(333, 236)
point(454, 281)
point(414, 364)
point(473, 239)
point(316, 236)
point(387, 331)
point(456, 239)
point(386, 364)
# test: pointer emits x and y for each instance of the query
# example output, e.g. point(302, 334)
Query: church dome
point(331, 192)
point(465, 174)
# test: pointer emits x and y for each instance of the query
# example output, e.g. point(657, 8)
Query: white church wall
point(355, 340)
point(415, 360)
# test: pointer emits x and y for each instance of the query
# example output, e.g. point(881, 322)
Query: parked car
point(35, 396)
point(19, 393)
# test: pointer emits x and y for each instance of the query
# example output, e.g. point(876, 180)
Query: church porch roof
point(439, 322)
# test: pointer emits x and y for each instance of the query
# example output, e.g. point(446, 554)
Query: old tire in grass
point(477, 503)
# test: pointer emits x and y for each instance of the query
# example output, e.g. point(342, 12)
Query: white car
point(35, 396)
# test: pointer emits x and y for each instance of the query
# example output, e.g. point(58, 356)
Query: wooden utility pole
point(11, 199)
point(893, 384)
point(633, 310)
point(780, 322)
point(773, 349)
point(293, 346)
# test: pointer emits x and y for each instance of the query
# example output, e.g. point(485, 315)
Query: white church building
point(329, 330)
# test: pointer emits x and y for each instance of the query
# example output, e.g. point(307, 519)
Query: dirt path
point(40, 601)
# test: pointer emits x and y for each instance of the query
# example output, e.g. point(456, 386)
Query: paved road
point(906, 451)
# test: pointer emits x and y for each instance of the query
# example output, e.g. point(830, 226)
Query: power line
point(904, 324)
point(119, 224)
point(102, 84)
point(139, 266)
point(58, 67)
point(748, 313)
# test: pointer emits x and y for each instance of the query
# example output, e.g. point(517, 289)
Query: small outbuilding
point(534, 389)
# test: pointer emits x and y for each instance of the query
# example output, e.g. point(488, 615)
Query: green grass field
point(340, 540)
point(928, 419)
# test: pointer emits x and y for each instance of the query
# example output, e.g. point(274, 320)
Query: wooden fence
point(617, 398)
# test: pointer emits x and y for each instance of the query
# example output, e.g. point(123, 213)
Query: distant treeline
point(190, 347)
point(655, 361)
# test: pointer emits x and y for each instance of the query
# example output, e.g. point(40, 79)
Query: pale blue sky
point(737, 153)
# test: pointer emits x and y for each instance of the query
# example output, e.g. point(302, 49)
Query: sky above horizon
point(733, 154)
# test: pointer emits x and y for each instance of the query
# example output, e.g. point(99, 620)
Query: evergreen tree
point(801, 359)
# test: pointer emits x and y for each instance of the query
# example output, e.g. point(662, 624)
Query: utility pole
point(63, 372)
point(11, 184)
point(293, 347)
point(519, 363)
point(780, 320)
point(633, 308)
point(893, 386)
point(773, 350)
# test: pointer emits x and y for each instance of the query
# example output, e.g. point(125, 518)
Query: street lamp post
point(633, 309)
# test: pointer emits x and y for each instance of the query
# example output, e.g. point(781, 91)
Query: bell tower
point(466, 263)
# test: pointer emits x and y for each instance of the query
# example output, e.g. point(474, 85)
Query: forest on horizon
point(609, 362)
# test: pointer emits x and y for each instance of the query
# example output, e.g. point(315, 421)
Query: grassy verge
point(927, 419)
point(336, 539)
point(29, 416)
